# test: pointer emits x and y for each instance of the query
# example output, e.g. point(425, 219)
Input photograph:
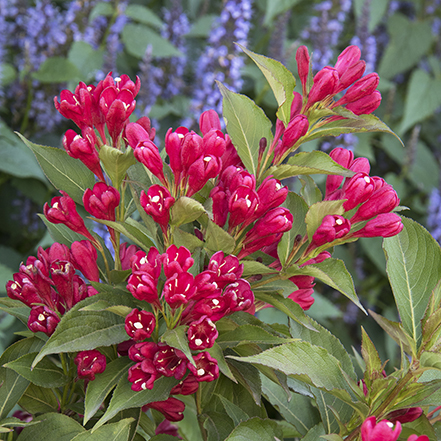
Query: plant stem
point(198, 401)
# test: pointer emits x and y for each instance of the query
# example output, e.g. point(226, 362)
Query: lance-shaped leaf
point(312, 364)
point(217, 239)
point(177, 338)
point(280, 79)
point(183, 239)
point(118, 431)
point(233, 411)
point(296, 409)
point(249, 334)
point(396, 331)
point(333, 272)
point(257, 429)
point(46, 374)
point(248, 376)
point(185, 210)
point(370, 356)
point(98, 389)
point(360, 124)
point(246, 125)
point(288, 306)
point(216, 352)
point(414, 268)
point(38, 399)
point(15, 308)
point(86, 330)
point(125, 398)
point(116, 163)
point(53, 426)
point(65, 173)
point(252, 267)
point(309, 163)
point(13, 385)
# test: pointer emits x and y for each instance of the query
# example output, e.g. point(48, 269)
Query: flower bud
point(188, 386)
point(302, 58)
point(84, 257)
point(140, 325)
point(384, 225)
point(173, 146)
point(341, 156)
point(209, 120)
point(214, 143)
point(418, 438)
point(172, 408)
point(365, 105)
point(297, 128)
point(192, 148)
point(101, 201)
point(296, 105)
point(361, 88)
point(90, 363)
point(405, 415)
point(126, 252)
point(383, 430)
point(271, 194)
point(351, 75)
point(200, 171)
point(333, 227)
point(220, 205)
point(276, 220)
point(157, 202)
point(357, 190)
point(325, 83)
point(42, 319)
point(148, 154)
point(347, 58)
point(303, 295)
point(63, 211)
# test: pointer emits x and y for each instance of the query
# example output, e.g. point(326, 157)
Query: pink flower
point(202, 334)
point(325, 84)
point(157, 203)
point(143, 287)
point(176, 260)
point(140, 324)
point(84, 256)
point(384, 225)
point(206, 368)
point(381, 431)
point(101, 201)
point(42, 319)
point(90, 363)
point(179, 289)
point(332, 227)
point(170, 362)
point(172, 408)
point(302, 58)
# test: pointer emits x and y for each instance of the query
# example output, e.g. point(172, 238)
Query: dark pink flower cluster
point(370, 196)
point(49, 285)
point(385, 430)
point(109, 104)
point(197, 301)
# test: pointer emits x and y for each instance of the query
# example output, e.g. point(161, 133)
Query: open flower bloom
point(381, 431)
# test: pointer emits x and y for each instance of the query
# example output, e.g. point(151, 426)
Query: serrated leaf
point(370, 356)
point(118, 431)
point(217, 239)
point(301, 359)
point(233, 411)
point(246, 125)
point(256, 429)
point(361, 124)
point(252, 267)
point(308, 163)
point(185, 210)
point(295, 409)
point(38, 399)
point(280, 79)
point(177, 338)
point(288, 306)
point(218, 425)
point(53, 426)
point(414, 268)
point(216, 352)
point(430, 359)
point(116, 163)
point(98, 389)
point(248, 376)
point(125, 398)
point(65, 173)
point(189, 241)
point(46, 374)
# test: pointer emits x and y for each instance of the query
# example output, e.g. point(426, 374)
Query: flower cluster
point(49, 285)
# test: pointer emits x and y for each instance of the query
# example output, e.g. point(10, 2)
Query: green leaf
point(423, 97)
point(84, 330)
point(252, 267)
point(309, 163)
point(248, 376)
point(116, 163)
point(177, 338)
point(325, 340)
point(13, 385)
point(256, 429)
point(360, 124)
point(410, 37)
point(314, 433)
point(414, 268)
point(288, 306)
point(233, 411)
point(217, 239)
point(216, 352)
point(137, 38)
point(217, 425)
point(430, 359)
point(248, 334)
point(65, 173)
point(276, 9)
point(143, 15)
point(101, 9)
point(312, 364)
point(38, 399)
point(118, 431)
point(99, 389)
point(189, 241)
point(53, 426)
point(125, 398)
point(46, 374)
point(395, 330)
point(280, 79)
point(318, 211)
point(333, 272)
point(56, 70)
point(15, 308)
point(295, 409)
point(185, 210)
point(246, 125)
point(370, 356)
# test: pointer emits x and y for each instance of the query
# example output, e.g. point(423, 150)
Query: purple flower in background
point(347, 141)
point(221, 60)
point(324, 30)
point(434, 214)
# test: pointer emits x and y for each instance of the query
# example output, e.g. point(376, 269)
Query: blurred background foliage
point(179, 48)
